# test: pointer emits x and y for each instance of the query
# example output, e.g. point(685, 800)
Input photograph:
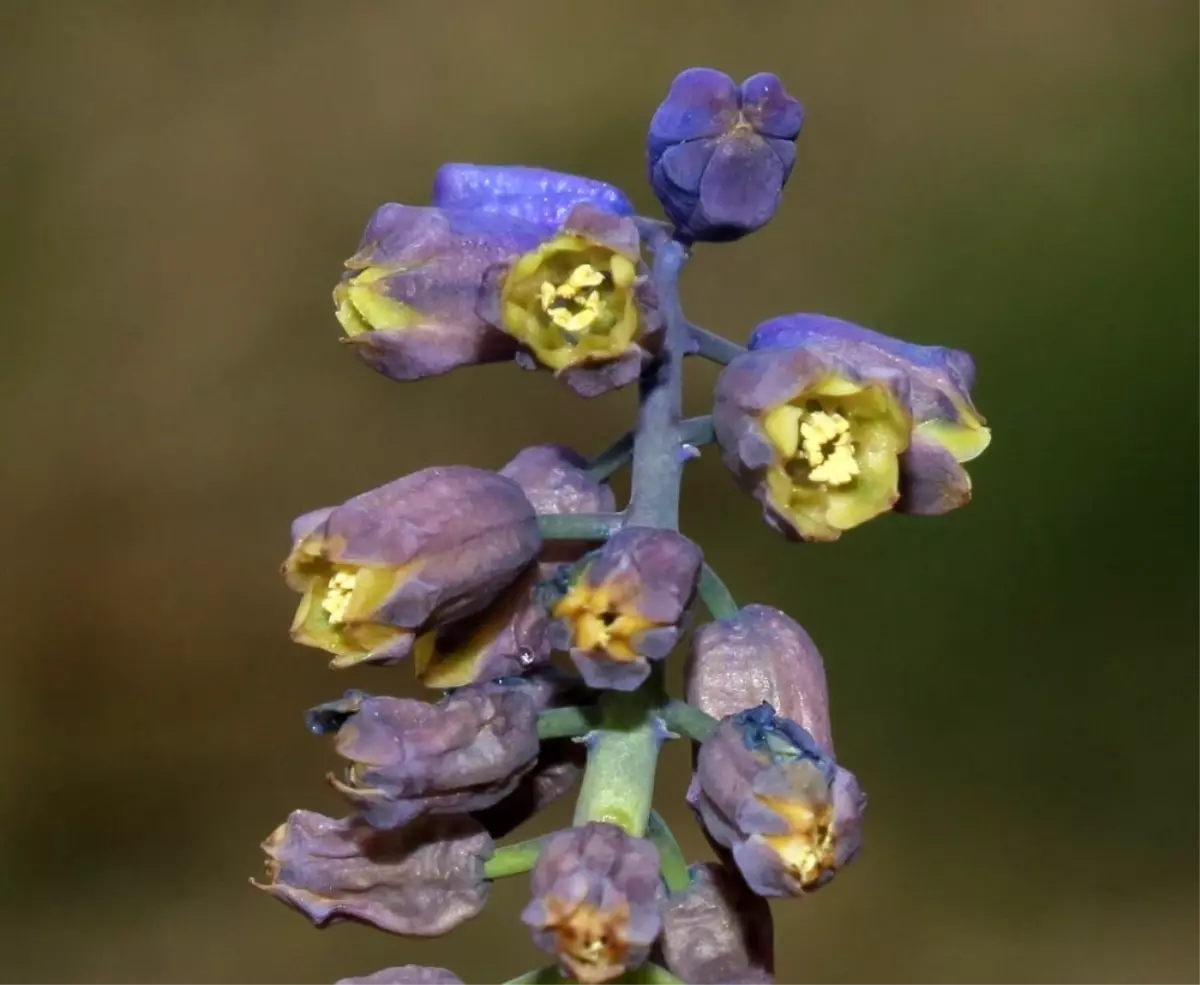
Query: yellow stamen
point(810, 846)
point(565, 304)
point(337, 596)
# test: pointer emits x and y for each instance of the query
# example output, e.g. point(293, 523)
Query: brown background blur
point(1015, 684)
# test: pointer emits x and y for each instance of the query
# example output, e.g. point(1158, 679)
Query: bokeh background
point(1016, 684)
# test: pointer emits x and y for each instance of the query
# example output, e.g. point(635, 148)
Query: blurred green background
point(1015, 684)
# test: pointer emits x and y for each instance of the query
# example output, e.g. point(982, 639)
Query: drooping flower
point(421, 881)
point(509, 636)
point(595, 904)
point(407, 301)
point(579, 303)
point(947, 428)
point(534, 195)
point(389, 564)
point(717, 932)
point(719, 154)
point(624, 604)
point(816, 438)
point(465, 753)
point(757, 655)
point(558, 768)
point(764, 789)
point(409, 974)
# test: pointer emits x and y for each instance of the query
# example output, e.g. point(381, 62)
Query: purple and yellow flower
point(465, 753)
point(579, 303)
point(407, 301)
point(509, 636)
point(409, 974)
point(421, 881)
point(624, 605)
point(719, 154)
point(816, 439)
point(758, 655)
point(766, 790)
point(389, 564)
point(595, 905)
point(717, 932)
point(535, 195)
point(947, 428)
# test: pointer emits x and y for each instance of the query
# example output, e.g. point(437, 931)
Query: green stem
point(697, 431)
point(567, 723)
point(673, 865)
point(612, 458)
point(512, 860)
point(713, 347)
point(688, 721)
point(578, 526)
point(715, 596)
point(618, 783)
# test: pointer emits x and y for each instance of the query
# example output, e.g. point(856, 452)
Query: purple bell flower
point(465, 753)
point(719, 154)
point(766, 790)
point(624, 605)
point(407, 301)
point(422, 881)
point(393, 563)
point(717, 932)
point(758, 655)
point(947, 428)
point(595, 905)
point(409, 974)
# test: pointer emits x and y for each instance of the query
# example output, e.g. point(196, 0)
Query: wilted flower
point(757, 655)
point(465, 753)
point(432, 547)
point(534, 195)
point(947, 429)
point(595, 903)
point(622, 605)
point(409, 974)
point(766, 790)
point(717, 932)
point(407, 300)
point(579, 303)
point(719, 154)
point(816, 438)
point(509, 636)
point(421, 881)
point(558, 768)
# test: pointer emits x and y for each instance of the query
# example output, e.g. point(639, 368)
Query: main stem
point(618, 784)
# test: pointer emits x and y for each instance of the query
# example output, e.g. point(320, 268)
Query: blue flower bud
point(719, 154)
point(534, 195)
point(764, 789)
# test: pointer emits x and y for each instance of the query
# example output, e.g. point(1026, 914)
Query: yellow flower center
point(590, 942)
point(810, 846)
point(603, 620)
point(571, 301)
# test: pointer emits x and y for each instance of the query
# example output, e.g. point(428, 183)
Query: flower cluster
point(477, 578)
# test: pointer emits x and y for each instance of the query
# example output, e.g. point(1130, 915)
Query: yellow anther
point(839, 466)
point(565, 304)
point(337, 595)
